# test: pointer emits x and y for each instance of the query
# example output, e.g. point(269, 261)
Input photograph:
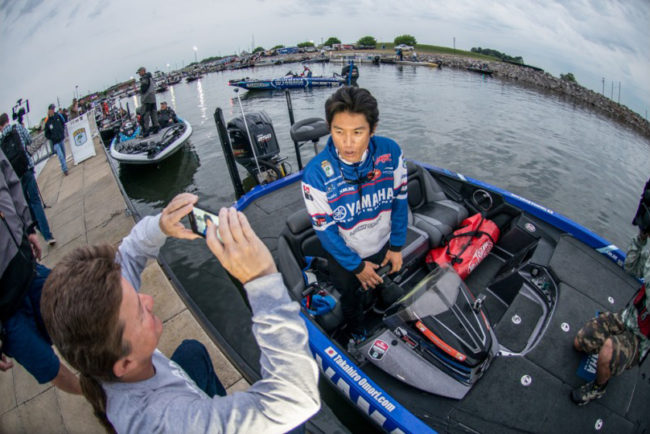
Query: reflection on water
point(157, 184)
point(172, 98)
point(202, 107)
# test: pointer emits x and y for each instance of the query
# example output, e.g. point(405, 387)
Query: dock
point(84, 208)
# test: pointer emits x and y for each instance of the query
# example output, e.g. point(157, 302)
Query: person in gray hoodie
point(21, 281)
point(148, 99)
point(107, 331)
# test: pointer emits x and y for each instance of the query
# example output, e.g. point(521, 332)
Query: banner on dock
point(81, 140)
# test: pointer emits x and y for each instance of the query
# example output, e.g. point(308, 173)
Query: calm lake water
point(539, 146)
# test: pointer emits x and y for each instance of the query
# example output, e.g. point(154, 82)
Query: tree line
point(498, 55)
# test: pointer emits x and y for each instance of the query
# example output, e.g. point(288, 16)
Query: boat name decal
point(362, 382)
point(256, 85)
point(610, 251)
point(531, 203)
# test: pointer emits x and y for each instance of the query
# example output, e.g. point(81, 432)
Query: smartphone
point(198, 220)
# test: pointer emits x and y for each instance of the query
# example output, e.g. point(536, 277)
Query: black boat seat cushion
point(432, 211)
point(309, 129)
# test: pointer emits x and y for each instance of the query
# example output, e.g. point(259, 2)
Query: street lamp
point(195, 50)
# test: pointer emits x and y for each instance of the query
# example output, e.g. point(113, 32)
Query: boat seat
point(309, 129)
point(299, 239)
point(431, 210)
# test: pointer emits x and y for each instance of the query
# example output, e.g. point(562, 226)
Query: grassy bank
point(435, 49)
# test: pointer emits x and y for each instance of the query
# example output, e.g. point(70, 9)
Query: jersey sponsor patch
point(307, 192)
point(384, 158)
point(327, 168)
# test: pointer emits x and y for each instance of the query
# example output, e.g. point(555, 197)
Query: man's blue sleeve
point(399, 212)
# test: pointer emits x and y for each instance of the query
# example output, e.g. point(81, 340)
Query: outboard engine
point(436, 339)
point(261, 132)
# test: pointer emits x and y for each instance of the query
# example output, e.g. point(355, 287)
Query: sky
point(51, 48)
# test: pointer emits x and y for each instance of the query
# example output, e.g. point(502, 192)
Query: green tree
point(367, 41)
point(332, 40)
point(406, 40)
point(305, 44)
point(277, 46)
point(258, 49)
point(568, 77)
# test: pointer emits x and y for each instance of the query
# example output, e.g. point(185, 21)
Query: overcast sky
point(49, 47)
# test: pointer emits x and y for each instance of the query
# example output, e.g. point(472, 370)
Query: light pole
point(195, 50)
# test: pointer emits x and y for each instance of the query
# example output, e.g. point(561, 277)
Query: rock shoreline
point(546, 81)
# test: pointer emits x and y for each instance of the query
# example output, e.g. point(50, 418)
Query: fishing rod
point(250, 140)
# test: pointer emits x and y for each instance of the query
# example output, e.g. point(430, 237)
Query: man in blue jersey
point(355, 193)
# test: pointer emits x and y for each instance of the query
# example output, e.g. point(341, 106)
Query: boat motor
point(351, 73)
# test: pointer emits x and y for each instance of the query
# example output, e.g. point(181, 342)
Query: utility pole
point(454, 45)
point(619, 92)
point(603, 86)
point(611, 95)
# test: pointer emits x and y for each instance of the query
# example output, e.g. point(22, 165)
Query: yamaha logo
point(263, 138)
point(339, 213)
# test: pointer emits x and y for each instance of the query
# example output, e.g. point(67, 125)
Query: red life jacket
point(467, 246)
point(643, 316)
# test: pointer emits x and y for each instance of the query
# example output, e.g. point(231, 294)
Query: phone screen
point(198, 220)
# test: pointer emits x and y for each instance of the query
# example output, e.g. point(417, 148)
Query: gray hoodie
point(171, 402)
point(148, 88)
point(15, 213)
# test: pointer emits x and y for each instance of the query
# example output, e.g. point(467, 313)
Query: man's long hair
point(80, 306)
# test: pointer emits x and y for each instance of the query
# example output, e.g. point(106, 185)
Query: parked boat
point(456, 355)
point(320, 59)
point(481, 69)
point(129, 147)
point(192, 77)
point(416, 63)
point(174, 79)
point(289, 82)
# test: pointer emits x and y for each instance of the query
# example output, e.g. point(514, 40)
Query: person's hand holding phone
point(241, 253)
point(170, 219)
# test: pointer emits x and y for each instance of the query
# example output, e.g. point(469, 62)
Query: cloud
point(57, 44)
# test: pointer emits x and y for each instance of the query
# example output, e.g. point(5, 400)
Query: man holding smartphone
point(107, 331)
